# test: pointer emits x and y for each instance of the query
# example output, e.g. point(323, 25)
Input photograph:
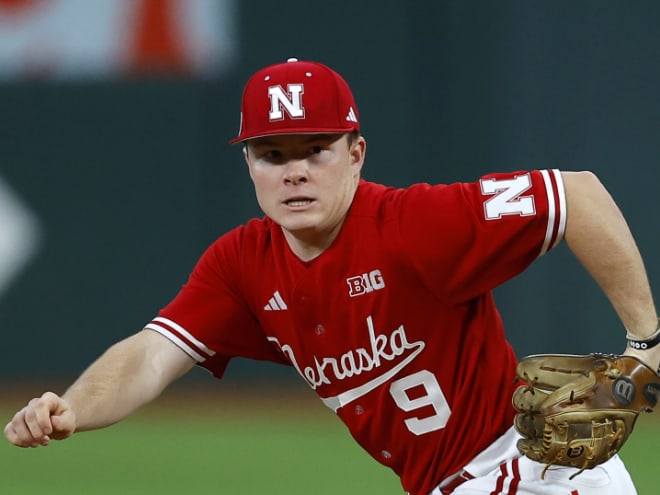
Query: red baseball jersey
point(394, 325)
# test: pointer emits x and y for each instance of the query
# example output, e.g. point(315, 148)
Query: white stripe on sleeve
point(176, 340)
point(554, 186)
point(184, 333)
point(561, 192)
point(549, 191)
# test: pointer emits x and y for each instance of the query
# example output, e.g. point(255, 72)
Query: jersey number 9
point(427, 393)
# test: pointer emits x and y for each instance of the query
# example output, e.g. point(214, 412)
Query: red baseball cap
point(296, 97)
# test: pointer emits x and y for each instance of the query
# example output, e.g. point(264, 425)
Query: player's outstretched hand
point(43, 419)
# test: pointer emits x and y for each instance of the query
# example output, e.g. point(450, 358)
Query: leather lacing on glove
point(578, 411)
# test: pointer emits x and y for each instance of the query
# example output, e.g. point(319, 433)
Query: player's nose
point(296, 171)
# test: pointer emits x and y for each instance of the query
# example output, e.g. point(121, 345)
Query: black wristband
point(643, 344)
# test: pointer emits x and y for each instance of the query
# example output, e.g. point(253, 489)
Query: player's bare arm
point(128, 375)
point(598, 235)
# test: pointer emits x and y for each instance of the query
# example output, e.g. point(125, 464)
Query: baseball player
point(379, 297)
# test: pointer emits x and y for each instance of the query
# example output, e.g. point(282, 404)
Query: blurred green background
point(128, 179)
point(218, 441)
point(232, 443)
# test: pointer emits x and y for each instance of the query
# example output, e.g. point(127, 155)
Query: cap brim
point(291, 131)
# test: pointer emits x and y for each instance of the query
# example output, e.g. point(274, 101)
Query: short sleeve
point(465, 239)
point(209, 318)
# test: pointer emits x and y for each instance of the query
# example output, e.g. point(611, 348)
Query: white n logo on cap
point(290, 101)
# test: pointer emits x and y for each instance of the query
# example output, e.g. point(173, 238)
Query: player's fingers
point(32, 426)
point(10, 432)
point(18, 433)
point(63, 425)
point(37, 418)
point(61, 418)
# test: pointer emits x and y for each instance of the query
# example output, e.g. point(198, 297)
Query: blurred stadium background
point(115, 174)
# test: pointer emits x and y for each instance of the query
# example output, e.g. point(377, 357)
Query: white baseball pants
point(501, 470)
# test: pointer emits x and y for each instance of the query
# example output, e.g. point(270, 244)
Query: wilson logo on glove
point(624, 391)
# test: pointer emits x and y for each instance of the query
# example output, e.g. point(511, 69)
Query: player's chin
point(298, 228)
point(305, 227)
point(298, 221)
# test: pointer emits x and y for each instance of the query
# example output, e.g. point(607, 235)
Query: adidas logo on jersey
point(276, 303)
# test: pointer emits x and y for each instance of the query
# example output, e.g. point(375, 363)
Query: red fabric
point(394, 325)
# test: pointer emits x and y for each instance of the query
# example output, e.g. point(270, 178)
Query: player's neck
point(310, 244)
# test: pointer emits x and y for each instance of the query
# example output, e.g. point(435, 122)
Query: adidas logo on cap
point(296, 97)
point(351, 117)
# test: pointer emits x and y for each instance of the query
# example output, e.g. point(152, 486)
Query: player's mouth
point(298, 202)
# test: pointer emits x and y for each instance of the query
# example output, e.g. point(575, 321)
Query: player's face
point(306, 182)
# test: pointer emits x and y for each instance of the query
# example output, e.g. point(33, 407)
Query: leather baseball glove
point(579, 410)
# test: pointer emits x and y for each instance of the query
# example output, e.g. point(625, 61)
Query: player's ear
point(245, 153)
point(357, 151)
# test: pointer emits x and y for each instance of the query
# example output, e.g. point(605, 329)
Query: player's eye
point(316, 149)
point(273, 155)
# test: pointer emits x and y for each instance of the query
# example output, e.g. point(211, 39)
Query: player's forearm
point(128, 375)
point(598, 235)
